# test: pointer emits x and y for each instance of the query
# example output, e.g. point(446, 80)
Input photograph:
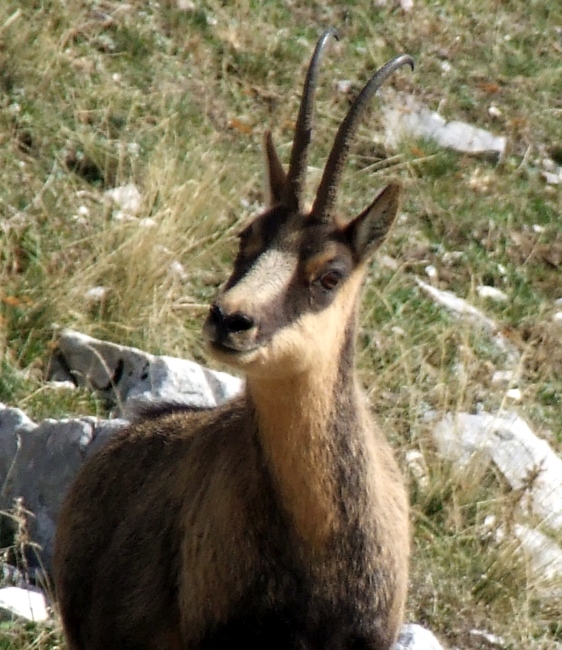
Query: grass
point(100, 94)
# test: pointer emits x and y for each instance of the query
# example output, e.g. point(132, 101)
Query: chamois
point(280, 518)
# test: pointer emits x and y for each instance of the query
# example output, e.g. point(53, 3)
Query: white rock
point(485, 291)
point(471, 314)
point(37, 463)
point(551, 172)
point(458, 306)
point(406, 5)
point(503, 377)
point(450, 257)
point(418, 467)
point(557, 317)
point(416, 637)
point(177, 270)
point(121, 215)
point(514, 394)
point(23, 603)
point(127, 197)
point(505, 439)
point(492, 639)
point(148, 222)
point(552, 178)
point(61, 385)
point(431, 272)
point(96, 294)
point(543, 555)
point(406, 117)
point(549, 165)
point(343, 86)
point(133, 378)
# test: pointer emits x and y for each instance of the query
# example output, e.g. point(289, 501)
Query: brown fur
point(278, 519)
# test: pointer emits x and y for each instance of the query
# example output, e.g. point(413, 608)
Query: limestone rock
point(405, 116)
point(16, 602)
point(38, 462)
point(505, 439)
point(416, 637)
point(131, 378)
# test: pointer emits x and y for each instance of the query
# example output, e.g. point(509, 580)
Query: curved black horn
point(326, 194)
point(299, 153)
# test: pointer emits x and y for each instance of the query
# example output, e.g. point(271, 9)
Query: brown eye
point(330, 280)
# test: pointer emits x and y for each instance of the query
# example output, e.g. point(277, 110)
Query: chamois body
point(279, 518)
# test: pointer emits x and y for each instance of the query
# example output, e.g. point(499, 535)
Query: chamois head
point(295, 281)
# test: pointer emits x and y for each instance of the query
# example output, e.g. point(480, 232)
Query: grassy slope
point(98, 94)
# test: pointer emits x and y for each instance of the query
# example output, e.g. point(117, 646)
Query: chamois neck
point(302, 423)
point(309, 397)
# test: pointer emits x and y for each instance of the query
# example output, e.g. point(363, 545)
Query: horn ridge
point(296, 175)
point(327, 189)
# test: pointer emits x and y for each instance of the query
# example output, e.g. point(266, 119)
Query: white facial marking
point(266, 280)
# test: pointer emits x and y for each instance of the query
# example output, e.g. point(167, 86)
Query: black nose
point(230, 323)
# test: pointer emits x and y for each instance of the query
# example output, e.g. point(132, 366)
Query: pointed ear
point(275, 177)
point(368, 231)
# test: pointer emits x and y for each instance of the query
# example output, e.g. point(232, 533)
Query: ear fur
point(275, 177)
point(369, 230)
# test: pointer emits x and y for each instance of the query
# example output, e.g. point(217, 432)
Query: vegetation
point(174, 96)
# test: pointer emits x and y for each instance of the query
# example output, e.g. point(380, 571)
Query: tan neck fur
point(295, 420)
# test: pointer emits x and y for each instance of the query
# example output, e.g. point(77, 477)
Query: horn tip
point(408, 60)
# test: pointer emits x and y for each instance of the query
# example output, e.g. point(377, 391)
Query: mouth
point(229, 347)
point(223, 348)
point(224, 351)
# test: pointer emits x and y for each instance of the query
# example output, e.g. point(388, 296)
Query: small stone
point(503, 377)
point(344, 86)
point(417, 466)
point(96, 294)
point(431, 272)
point(178, 271)
point(147, 222)
point(416, 637)
point(407, 5)
point(23, 603)
point(485, 291)
point(492, 639)
point(515, 394)
point(126, 197)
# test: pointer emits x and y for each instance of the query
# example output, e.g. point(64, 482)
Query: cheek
point(287, 353)
point(312, 339)
point(308, 341)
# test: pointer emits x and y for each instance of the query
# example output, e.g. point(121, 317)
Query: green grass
point(99, 94)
